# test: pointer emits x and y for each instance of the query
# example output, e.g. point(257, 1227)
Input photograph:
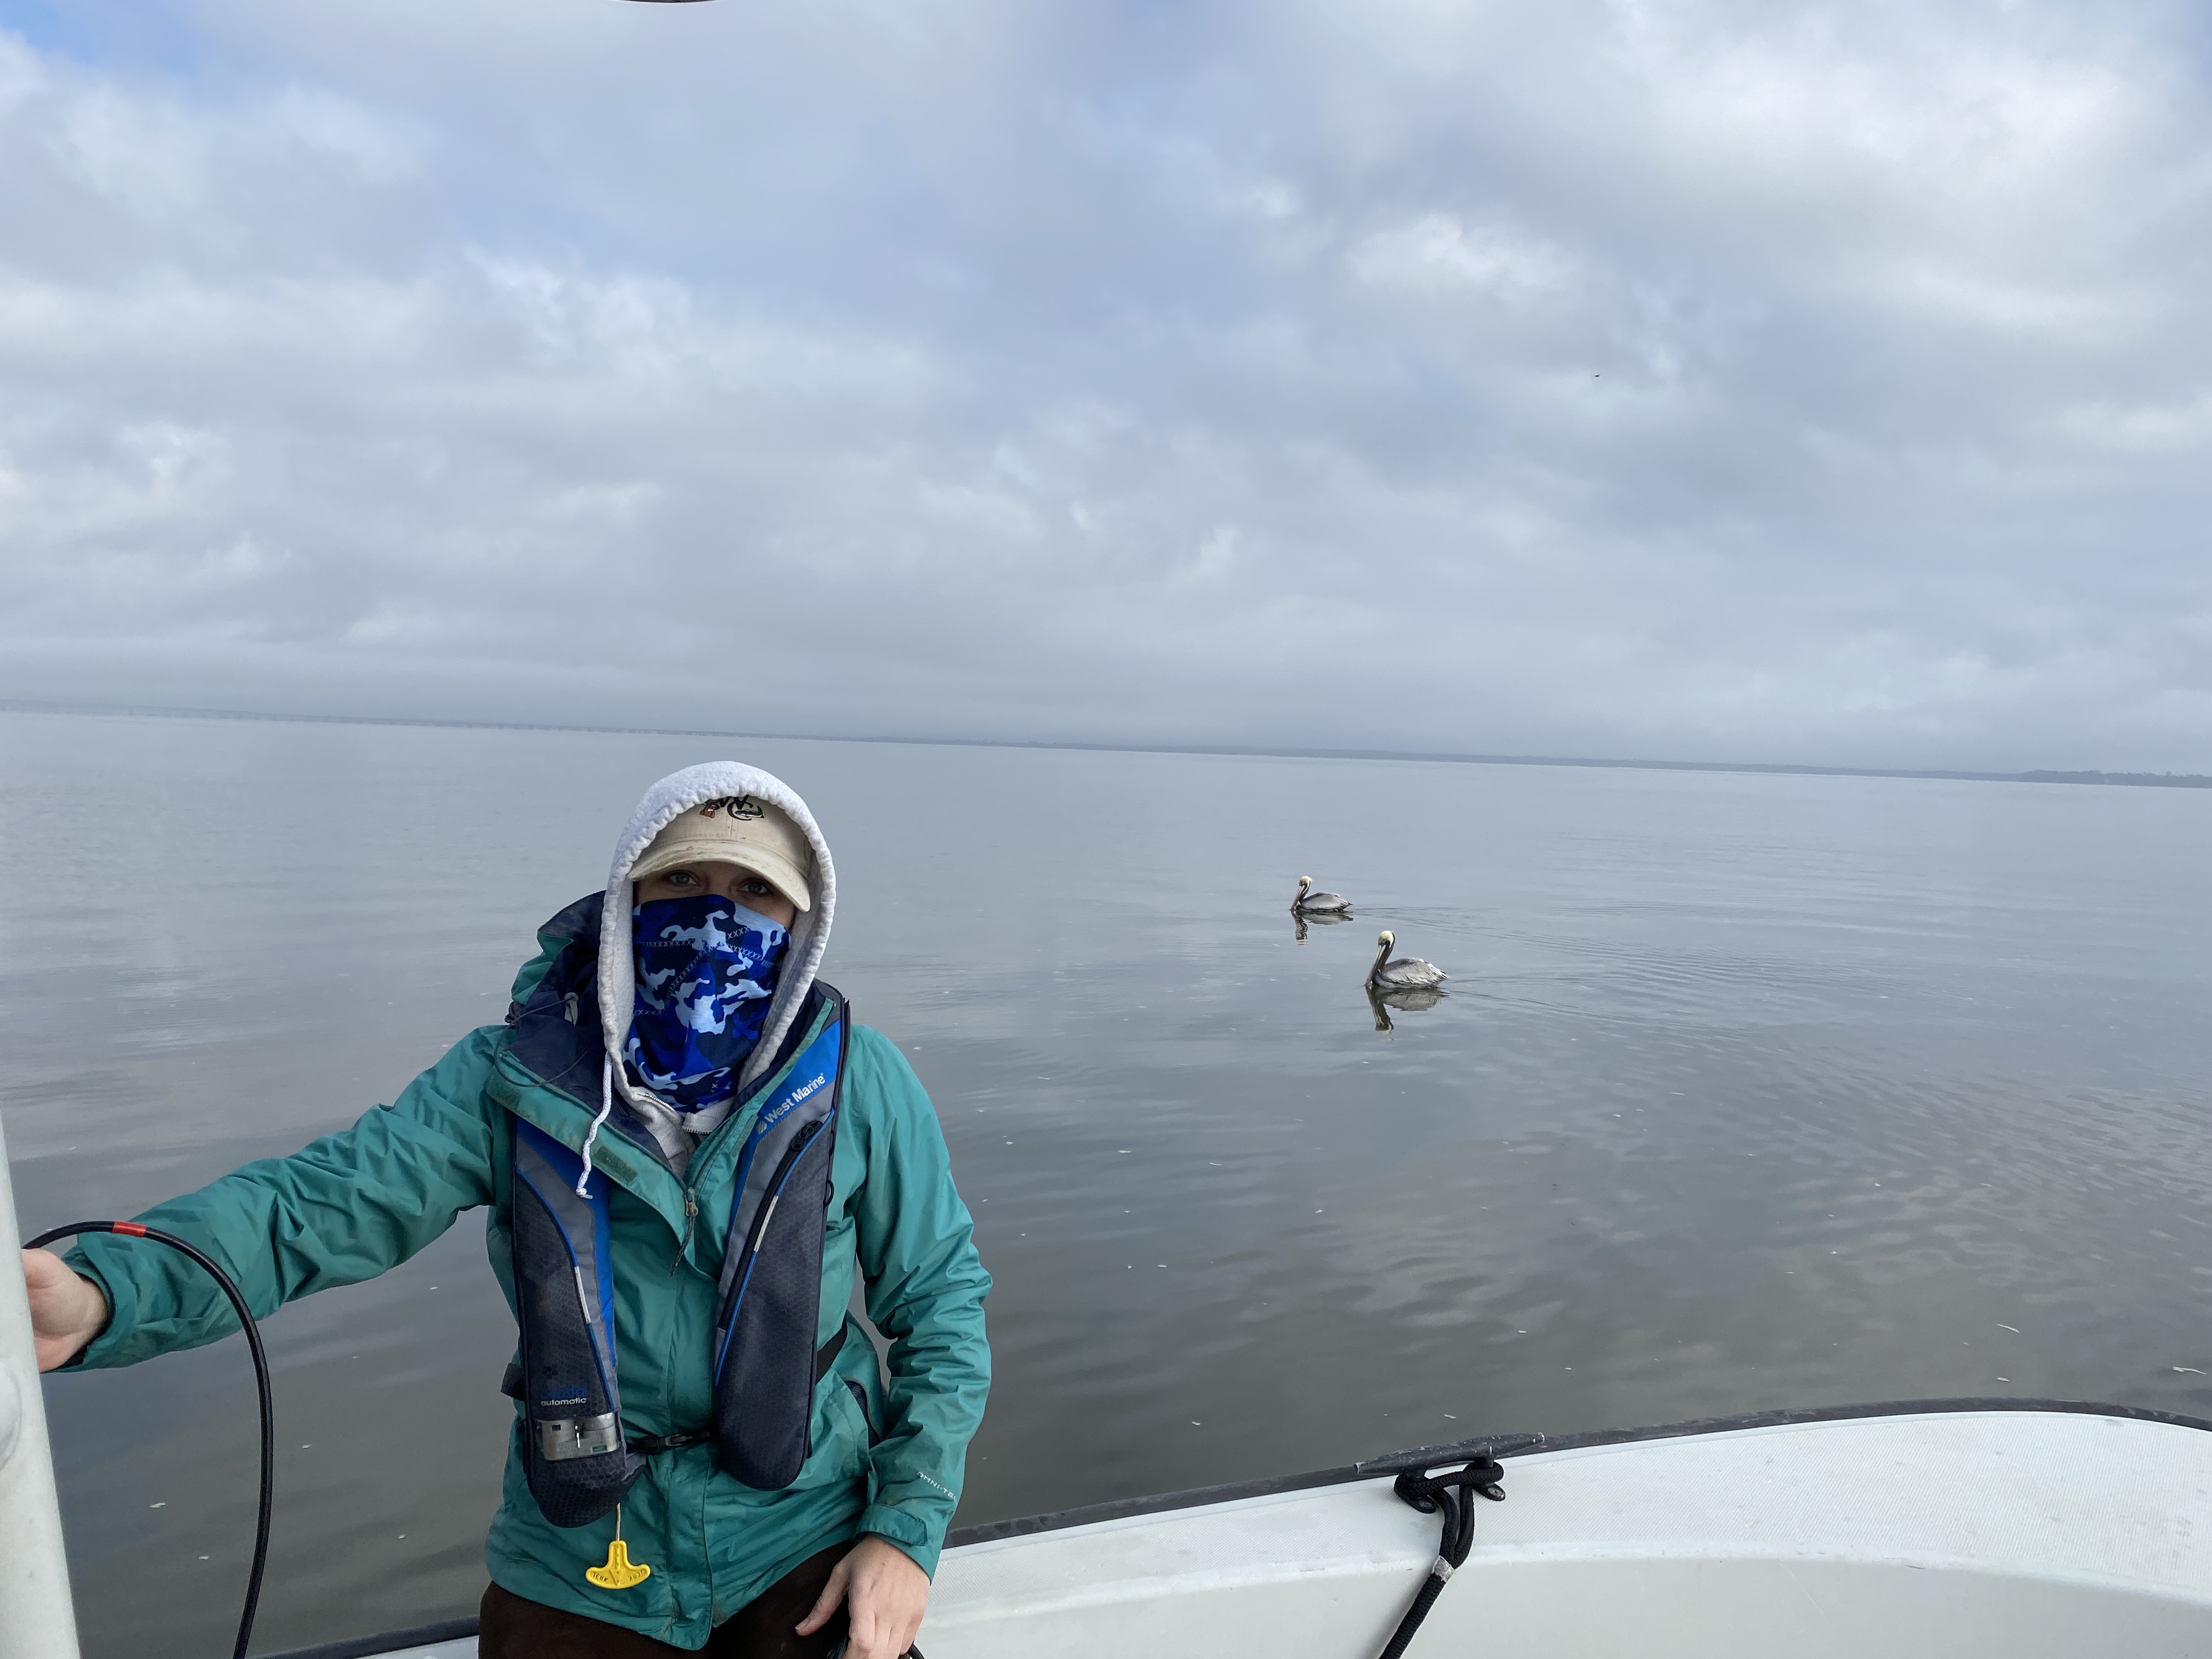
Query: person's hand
point(67, 1308)
point(885, 1593)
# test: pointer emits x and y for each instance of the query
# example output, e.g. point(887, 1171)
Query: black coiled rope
point(133, 1230)
point(1449, 1492)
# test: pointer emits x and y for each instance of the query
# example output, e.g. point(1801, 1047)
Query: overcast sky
point(1805, 382)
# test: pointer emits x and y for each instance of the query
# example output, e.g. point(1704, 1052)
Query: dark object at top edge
point(396, 1641)
point(1390, 1463)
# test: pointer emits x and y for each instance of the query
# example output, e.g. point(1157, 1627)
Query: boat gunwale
point(1519, 1445)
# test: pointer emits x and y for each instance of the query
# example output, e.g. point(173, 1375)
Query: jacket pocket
point(868, 1424)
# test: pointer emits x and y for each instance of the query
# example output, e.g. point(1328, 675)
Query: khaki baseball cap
point(735, 829)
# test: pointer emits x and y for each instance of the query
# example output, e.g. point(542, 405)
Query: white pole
point(36, 1619)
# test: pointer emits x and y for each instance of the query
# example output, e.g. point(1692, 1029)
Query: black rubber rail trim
point(1516, 1445)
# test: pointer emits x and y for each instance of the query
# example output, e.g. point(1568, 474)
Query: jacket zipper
point(690, 1219)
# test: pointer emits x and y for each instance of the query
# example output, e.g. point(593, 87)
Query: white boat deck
point(2013, 1533)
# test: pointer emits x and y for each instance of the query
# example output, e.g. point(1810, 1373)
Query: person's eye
point(756, 887)
point(682, 878)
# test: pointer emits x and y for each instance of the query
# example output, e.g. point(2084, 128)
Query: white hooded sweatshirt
point(678, 792)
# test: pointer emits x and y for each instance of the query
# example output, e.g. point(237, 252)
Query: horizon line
point(2172, 779)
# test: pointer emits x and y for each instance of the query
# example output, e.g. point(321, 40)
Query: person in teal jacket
point(721, 896)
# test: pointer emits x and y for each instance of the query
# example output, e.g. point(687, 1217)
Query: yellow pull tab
point(620, 1572)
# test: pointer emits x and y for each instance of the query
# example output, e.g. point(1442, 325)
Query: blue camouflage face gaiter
point(706, 969)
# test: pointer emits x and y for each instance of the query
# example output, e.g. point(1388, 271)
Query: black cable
point(133, 1230)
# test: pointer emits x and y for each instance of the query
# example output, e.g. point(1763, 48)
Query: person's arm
point(924, 1292)
point(343, 1209)
point(926, 1286)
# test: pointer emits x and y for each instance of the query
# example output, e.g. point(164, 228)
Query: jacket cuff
point(107, 1348)
point(922, 1543)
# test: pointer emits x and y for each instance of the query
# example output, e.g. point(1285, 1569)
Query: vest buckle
point(560, 1438)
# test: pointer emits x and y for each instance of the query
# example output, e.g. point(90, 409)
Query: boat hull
point(1897, 1533)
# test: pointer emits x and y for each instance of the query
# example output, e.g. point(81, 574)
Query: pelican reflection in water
point(1410, 1001)
point(1319, 919)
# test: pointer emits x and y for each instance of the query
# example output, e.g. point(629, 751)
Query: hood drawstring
point(606, 1106)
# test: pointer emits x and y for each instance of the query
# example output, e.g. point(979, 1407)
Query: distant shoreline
point(2135, 779)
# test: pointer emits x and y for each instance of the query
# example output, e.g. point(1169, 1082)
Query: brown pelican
point(1318, 904)
point(1406, 974)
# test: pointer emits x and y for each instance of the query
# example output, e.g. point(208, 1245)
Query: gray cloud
point(1826, 384)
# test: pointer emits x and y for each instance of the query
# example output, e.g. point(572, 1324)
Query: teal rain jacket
point(888, 1457)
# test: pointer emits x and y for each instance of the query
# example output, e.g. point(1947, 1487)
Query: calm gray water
point(1750, 1091)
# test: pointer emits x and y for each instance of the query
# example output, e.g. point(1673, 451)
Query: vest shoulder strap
point(573, 1450)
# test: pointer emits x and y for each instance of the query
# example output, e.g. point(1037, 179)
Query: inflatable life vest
point(579, 1459)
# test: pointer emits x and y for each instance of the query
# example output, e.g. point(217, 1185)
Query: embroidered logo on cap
point(735, 806)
